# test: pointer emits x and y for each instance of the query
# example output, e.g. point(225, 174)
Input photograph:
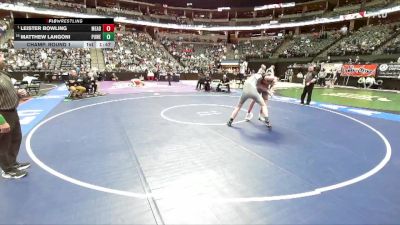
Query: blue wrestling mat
point(170, 159)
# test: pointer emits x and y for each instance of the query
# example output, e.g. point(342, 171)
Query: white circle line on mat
point(197, 123)
point(314, 192)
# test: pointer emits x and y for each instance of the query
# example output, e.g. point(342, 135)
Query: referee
point(309, 81)
point(10, 128)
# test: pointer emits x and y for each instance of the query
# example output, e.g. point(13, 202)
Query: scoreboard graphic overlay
point(64, 33)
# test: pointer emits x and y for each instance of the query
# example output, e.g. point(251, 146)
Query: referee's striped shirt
point(8, 95)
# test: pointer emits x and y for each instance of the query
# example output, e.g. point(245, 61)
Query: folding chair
point(34, 86)
point(24, 85)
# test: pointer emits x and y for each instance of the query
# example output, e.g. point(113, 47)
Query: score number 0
point(108, 27)
point(108, 32)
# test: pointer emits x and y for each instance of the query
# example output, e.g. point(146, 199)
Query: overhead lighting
point(274, 6)
point(223, 8)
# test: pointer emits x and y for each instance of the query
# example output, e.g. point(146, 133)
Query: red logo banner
point(359, 70)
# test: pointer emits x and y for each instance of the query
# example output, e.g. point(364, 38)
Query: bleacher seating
point(393, 47)
point(196, 56)
point(138, 52)
point(364, 41)
point(257, 48)
point(309, 45)
point(48, 59)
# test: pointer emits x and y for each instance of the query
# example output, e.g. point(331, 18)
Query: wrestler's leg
point(265, 114)
point(237, 109)
point(264, 111)
point(248, 115)
point(251, 106)
point(247, 93)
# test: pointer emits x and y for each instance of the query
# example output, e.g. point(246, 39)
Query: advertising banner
point(389, 70)
point(359, 70)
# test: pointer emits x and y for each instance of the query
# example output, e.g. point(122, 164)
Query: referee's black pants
point(11, 141)
point(199, 84)
point(307, 91)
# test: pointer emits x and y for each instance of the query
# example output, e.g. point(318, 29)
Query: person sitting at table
point(224, 82)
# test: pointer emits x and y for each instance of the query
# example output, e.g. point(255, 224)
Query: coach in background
point(309, 81)
point(75, 85)
point(10, 128)
point(207, 82)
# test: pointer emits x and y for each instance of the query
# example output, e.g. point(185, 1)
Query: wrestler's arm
point(270, 89)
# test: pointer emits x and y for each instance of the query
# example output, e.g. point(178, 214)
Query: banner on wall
point(359, 70)
point(332, 67)
point(389, 70)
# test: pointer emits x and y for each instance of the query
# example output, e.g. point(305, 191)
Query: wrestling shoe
point(248, 117)
point(21, 166)
point(268, 124)
point(229, 123)
point(14, 174)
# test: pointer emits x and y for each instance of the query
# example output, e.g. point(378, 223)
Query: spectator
point(150, 75)
point(308, 45)
point(369, 81)
point(258, 48)
point(328, 60)
point(321, 78)
point(114, 77)
point(196, 55)
point(364, 41)
point(361, 82)
point(138, 52)
point(47, 59)
point(299, 75)
point(357, 61)
point(288, 75)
